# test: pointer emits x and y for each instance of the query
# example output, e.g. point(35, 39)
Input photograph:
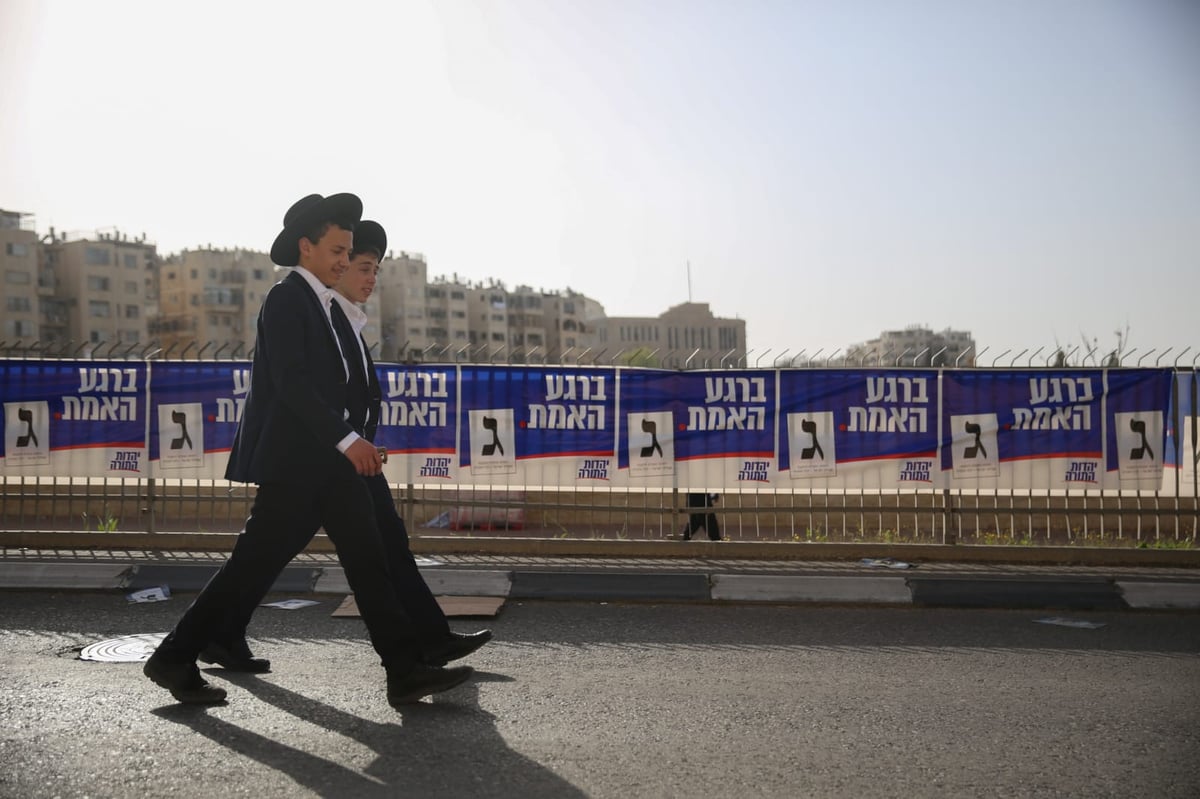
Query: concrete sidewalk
point(879, 580)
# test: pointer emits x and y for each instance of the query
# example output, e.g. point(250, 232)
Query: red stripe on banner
point(449, 451)
point(738, 455)
point(1053, 455)
point(602, 454)
point(909, 456)
point(121, 444)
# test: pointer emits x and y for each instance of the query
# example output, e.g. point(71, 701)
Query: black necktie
point(346, 339)
point(356, 395)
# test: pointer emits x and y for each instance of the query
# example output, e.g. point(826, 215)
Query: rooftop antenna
point(689, 275)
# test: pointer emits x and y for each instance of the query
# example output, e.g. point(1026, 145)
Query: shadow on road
point(447, 747)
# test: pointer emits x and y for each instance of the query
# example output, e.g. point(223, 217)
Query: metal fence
point(985, 357)
point(155, 513)
point(121, 512)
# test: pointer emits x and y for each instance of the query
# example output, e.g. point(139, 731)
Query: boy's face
point(358, 282)
point(328, 258)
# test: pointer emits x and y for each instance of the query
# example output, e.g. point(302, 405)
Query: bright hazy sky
point(1028, 170)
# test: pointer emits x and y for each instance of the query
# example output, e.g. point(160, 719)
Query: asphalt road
point(613, 700)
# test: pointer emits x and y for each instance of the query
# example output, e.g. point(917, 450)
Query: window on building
point(131, 287)
point(131, 311)
point(16, 249)
point(99, 308)
point(15, 278)
point(130, 336)
point(131, 262)
point(19, 304)
point(457, 295)
point(497, 337)
point(96, 256)
point(195, 274)
point(97, 283)
point(94, 337)
point(259, 274)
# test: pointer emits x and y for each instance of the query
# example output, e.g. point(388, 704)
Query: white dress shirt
point(326, 295)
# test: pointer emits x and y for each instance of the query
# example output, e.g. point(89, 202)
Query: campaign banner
point(1182, 447)
point(650, 407)
point(196, 407)
point(858, 428)
point(725, 430)
point(418, 416)
point(537, 426)
point(74, 418)
point(1024, 428)
point(1137, 401)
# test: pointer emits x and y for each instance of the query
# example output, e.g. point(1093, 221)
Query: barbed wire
point(690, 360)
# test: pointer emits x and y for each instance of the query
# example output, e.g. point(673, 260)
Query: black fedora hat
point(370, 235)
point(345, 209)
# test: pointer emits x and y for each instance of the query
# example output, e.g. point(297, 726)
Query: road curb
point(639, 585)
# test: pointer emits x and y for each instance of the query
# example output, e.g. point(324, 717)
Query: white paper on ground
point(886, 563)
point(1065, 622)
point(156, 594)
point(291, 604)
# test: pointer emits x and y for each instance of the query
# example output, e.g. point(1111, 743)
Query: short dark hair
point(355, 252)
point(316, 230)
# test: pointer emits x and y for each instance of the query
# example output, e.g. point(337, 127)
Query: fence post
point(149, 509)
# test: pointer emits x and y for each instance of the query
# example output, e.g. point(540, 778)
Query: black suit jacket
point(374, 397)
point(293, 417)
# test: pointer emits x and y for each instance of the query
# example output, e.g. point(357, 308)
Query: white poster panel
point(26, 434)
point(813, 444)
point(492, 440)
point(181, 436)
point(651, 444)
point(975, 450)
point(1139, 441)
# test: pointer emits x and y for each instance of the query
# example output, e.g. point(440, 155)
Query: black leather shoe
point(235, 658)
point(421, 680)
point(458, 645)
point(183, 680)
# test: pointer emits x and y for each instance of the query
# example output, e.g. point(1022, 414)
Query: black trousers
point(411, 589)
point(706, 521)
point(282, 521)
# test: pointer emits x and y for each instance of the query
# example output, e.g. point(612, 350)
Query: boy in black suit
point(439, 644)
point(301, 440)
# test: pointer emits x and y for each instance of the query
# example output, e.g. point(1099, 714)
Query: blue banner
point(512, 414)
point(197, 406)
point(74, 418)
point(884, 423)
point(418, 409)
point(1137, 401)
point(714, 430)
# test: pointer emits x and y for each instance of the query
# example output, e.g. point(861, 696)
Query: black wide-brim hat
point(370, 235)
point(345, 209)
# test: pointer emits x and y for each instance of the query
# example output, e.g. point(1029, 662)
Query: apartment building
point(687, 335)
point(447, 327)
point(209, 298)
point(400, 289)
point(107, 285)
point(487, 320)
point(915, 345)
point(569, 328)
point(526, 324)
point(21, 290)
